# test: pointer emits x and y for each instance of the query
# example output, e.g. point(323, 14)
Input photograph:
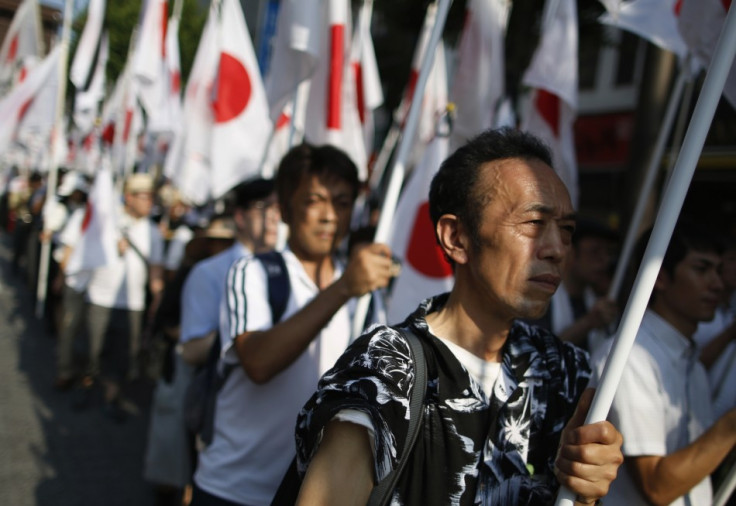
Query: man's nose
point(554, 247)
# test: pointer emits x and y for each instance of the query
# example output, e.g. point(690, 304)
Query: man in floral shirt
point(499, 425)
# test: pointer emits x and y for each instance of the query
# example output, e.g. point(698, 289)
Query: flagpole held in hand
point(399, 169)
point(664, 225)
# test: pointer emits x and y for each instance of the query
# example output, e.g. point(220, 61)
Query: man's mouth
point(547, 281)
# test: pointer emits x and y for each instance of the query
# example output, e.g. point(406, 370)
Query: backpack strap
point(279, 286)
point(381, 494)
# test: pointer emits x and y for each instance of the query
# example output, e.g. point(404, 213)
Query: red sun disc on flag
point(423, 253)
point(233, 89)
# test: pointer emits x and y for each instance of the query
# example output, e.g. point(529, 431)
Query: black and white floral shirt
point(472, 449)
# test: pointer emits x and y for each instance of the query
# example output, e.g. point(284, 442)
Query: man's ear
point(662, 281)
point(452, 238)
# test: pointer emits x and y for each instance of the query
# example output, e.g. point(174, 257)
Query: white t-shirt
point(253, 441)
point(69, 237)
point(662, 404)
point(122, 283)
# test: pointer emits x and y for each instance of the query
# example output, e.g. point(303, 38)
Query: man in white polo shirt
point(662, 406)
point(116, 294)
point(277, 366)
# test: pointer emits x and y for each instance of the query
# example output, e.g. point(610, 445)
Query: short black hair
point(326, 162)
point(453, 189)
point(251, 191)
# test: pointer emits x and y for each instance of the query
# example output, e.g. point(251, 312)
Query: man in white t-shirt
point(277, 366)
point(662, 405)
point(256, 218)
point(116, 295)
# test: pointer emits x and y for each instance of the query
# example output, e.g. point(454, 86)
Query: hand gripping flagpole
point(399, 168)
point(664, 225)
point(649, 179)
point(45, 254)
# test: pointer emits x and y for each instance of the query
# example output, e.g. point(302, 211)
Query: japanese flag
point(424, 270)
point(553, 75)
point(480, 74)
point(22, 40)
point(242, 125)
point(97, 245)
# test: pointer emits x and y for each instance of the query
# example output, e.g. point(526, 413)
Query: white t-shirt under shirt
point(122, 283)
point(253, 441)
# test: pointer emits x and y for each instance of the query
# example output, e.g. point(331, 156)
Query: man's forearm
point(264, 354)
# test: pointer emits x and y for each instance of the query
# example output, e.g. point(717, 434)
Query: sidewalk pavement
point(50, 454)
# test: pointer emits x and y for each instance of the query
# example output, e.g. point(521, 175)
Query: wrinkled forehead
point(524, 183)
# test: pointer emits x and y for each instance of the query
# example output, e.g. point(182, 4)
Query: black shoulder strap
point(381, 494)
point(279, 287)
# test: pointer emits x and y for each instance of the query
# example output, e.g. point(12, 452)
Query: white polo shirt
point(122, 283)
point(662, 404)
point(253, 442)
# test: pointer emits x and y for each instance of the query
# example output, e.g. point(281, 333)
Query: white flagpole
point(726, 489)
point(649, 179)
point(51, 183)
point(664, 225)
point(399, 169)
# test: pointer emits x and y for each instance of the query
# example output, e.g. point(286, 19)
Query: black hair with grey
point(453, 190)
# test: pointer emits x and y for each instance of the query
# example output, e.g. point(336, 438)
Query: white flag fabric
point(14, 107)
point(82, 69)
point(479, 80)
point(332, 112)
point(173, 73)
point(97, 245)
point(369, 94)
point(149, 66)
point(87, 101)
point(653, 20)
point(242, 123)
point(553, 73)
point(424, 270)
point(700, 23)
point(22, 40)
point(296, 50)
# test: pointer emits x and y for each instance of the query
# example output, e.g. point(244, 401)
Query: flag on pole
point(700, 23)
point(332, 111)
point(480, 73)
point(296, 50)
point(173, 73)
point(368, 94)
point(23, 40)
point(97, 245)
point(424, 270)
point(653, 20)
point(242, 125)
point(83, 65)
point(15, 105)
point(87, 101)
point(553, 75)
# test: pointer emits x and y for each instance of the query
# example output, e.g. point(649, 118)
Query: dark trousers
point(202, 498)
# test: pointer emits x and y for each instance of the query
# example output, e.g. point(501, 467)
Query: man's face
point(139, 204)
point(319, 217)
point(525, 236)
point(259, 223)
point(691, 294)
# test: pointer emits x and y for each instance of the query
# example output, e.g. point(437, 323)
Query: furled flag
point(700, 23)
point(479, 81)
point(188, 161)
point(173, 73)
point(122, 121)
point(296, 50)
point(22, 40)
point(87, 101)
point(424, 269)
point(553, 74)
point(369, 94)
point(149, 66)
point(653, 20)
point(15, 105)
point(83, 65)
point(332, 110)
point(241, 117)
point(97, 245)
point(434, 101)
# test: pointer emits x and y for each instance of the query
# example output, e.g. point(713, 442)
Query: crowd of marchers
point(242, 313)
